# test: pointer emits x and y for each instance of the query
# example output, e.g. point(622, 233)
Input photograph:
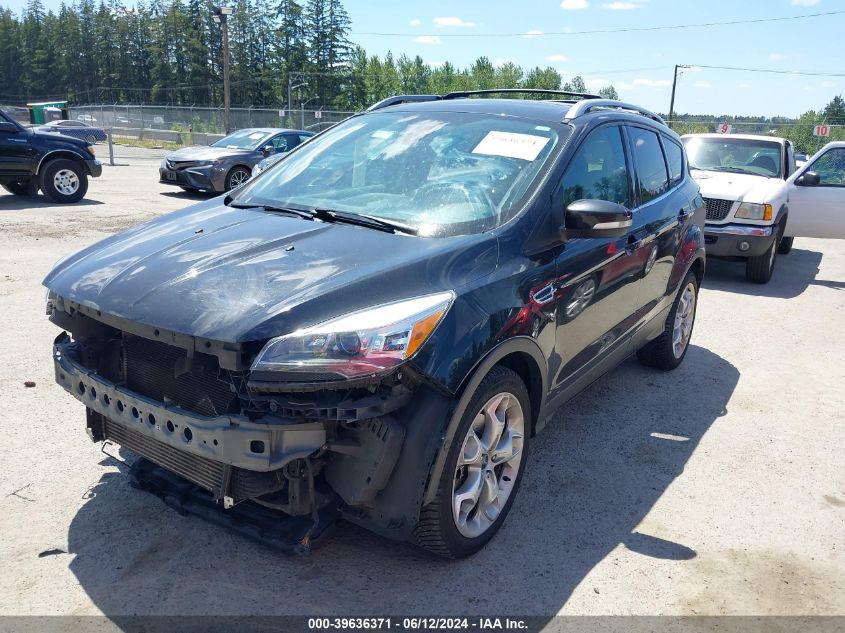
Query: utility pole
point(674, 84)
point(221, 15)
point(295, 80)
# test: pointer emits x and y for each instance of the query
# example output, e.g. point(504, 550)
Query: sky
point(639, 64)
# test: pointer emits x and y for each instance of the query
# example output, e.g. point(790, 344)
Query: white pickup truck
point(758, 202)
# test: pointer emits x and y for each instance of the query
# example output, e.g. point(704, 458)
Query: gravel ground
point(717, 489)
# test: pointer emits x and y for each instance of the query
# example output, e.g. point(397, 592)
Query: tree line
point(170, 52)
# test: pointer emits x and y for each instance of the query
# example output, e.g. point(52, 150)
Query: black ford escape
point(377, 326)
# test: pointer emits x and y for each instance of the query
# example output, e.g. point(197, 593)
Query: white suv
point(742, 180)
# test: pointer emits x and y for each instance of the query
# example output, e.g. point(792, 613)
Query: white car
point(757, 201)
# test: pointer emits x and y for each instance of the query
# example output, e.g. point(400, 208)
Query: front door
point(595, 296)
point(819, 210)
point(15, 152)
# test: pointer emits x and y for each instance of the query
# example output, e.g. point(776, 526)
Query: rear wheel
point(64, 181)
point(667, 351)
point(483, 469)
point(785, 245)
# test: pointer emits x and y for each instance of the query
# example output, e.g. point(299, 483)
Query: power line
point(769, 70)
point(599, 31)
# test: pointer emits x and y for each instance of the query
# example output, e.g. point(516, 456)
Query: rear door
point(819, 210)
point(663, 209)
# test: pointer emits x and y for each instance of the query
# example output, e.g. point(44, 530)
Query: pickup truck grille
point(717, 209)
point(161, 372)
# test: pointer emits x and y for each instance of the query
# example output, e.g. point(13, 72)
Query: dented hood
point(246, 275)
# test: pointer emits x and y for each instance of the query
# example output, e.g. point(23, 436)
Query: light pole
point(291, 88)
point(302, 112)
point(220, 15)
point(674, 83)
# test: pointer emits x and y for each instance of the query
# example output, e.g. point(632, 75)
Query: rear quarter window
point(675, 160)
point(652, 178)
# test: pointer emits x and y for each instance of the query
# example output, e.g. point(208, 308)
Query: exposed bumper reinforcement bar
point(229, 439)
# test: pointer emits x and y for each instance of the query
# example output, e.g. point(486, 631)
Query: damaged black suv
point(377, 326)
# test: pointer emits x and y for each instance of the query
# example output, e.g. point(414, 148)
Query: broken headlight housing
point(356, 345)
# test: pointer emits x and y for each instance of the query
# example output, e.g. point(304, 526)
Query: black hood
point(245, 274)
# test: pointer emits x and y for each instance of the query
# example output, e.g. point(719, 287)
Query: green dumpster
point(41, 113)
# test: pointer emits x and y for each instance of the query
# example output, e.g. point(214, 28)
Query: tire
point(64, 181)
point(91, 138)
point(785, 245)
point(759, 269)
point(663, 353)
point(438, 530)
point(236, 177)
point(17, 188)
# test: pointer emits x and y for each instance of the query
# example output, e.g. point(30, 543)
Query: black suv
point(58, 165)
point(377, 326)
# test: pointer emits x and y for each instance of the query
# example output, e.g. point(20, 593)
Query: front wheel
point(64, 181)
point(236, 177)
point(759, 269)
point(667, 351)
point(483, 469)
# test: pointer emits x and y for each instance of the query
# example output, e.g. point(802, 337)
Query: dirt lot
point(718, 489)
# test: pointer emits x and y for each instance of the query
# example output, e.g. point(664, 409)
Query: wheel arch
point(57, 154)
point(522, 355)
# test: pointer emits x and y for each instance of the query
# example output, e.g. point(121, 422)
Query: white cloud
point(415, 22)
point(594, 85)
point(702, 84)
point(571, 5)
point(652, 83)
point(828, 84)
point(622, 6)
point(428, 39)
point(453, 21)
point(805, 3)
point(533, 33)
point(557, 58)
point(744, 86)
point(777, 57)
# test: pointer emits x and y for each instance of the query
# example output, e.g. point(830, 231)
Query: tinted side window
point(674, 157)
point(292, 141)
point(598, 170)
point(652, 179)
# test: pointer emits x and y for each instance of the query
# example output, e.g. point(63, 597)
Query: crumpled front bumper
point(232, 440)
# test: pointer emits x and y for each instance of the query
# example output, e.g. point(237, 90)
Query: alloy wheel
point(684, 318)
point(488, 465)
point(66, 182)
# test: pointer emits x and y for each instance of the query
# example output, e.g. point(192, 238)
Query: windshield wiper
point(362, 219)
point(736, 170)
point(235, 204)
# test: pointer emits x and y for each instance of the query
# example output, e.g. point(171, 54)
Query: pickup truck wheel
point(667, 351)
point(483, 469)
point(759, 269)
point(785, 245)
point(17, 188)
point(64, 181)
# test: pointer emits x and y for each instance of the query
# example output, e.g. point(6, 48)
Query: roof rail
point(397, 99)
point(536, 91)
point(583, 107)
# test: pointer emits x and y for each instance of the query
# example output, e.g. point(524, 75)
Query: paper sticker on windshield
point(256, 135)
point(511, 145)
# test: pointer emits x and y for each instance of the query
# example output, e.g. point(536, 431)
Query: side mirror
point(5, 126)
point(596, 218)
point(808, 179)
point(267, 150)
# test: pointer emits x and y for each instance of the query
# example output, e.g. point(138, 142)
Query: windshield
point(751, 156)
point(243, 139)
point(444, 173)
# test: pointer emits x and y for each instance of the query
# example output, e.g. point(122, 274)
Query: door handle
point(632, 244)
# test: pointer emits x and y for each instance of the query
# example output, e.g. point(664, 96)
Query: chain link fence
point(186, 125)
point(808, 138)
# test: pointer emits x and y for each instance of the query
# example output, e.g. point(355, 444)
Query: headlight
point(360, 344)
point(751, 211)
point(91, 151)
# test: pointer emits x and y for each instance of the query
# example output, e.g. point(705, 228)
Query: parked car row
point(76, 129)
